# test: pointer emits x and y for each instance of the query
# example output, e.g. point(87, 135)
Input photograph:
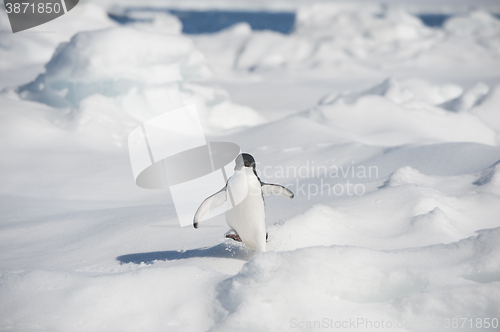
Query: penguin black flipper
point(276, 189)
point(209, 204)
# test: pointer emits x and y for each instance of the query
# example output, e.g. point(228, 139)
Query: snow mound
point(446, 159)
point(389, 114)
point(391, 218)
point(408, 175)
point(223, 49)
point(227, 115)
point(479, 24)
point(489, 179)
point(112, 300)
point(36, 46)
point(111, 61)
point(487, 111)
point(420, 196)
point(389, 88)
point(358, 40)
point(470, 41)
point(434, 222)
point(391, 285)
point(469, 99)
point(412, 90)
point(372, 22)
point(144, 70)
point(268, 49)
point(331, 34)
point(434, 94)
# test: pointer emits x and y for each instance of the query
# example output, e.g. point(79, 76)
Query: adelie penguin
point(245, 192)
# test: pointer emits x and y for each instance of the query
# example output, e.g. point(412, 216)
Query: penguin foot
point(231, 234)
point(235, 237)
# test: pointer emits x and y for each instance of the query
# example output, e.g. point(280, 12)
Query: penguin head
point(244, 160)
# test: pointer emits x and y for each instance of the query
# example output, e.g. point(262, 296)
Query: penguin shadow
point(222, 250)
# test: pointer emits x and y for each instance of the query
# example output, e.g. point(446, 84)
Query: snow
point(423, 6)
point(347, 39)
point(407, 120)
point(386, 130)
point(34, 47)
point(359, 282)
point(140, 68)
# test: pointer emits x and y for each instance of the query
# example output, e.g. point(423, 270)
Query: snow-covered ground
point(386, 130)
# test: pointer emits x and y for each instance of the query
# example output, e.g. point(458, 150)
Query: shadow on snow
point(222, 250)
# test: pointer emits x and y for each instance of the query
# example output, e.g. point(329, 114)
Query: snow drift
point(352, 39)
point(83, 248)
point(409, 114)
point(141, 69)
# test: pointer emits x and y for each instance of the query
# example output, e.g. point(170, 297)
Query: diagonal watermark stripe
point(170, 151)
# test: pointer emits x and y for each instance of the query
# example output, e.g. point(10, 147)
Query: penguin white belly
point(248, 217)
